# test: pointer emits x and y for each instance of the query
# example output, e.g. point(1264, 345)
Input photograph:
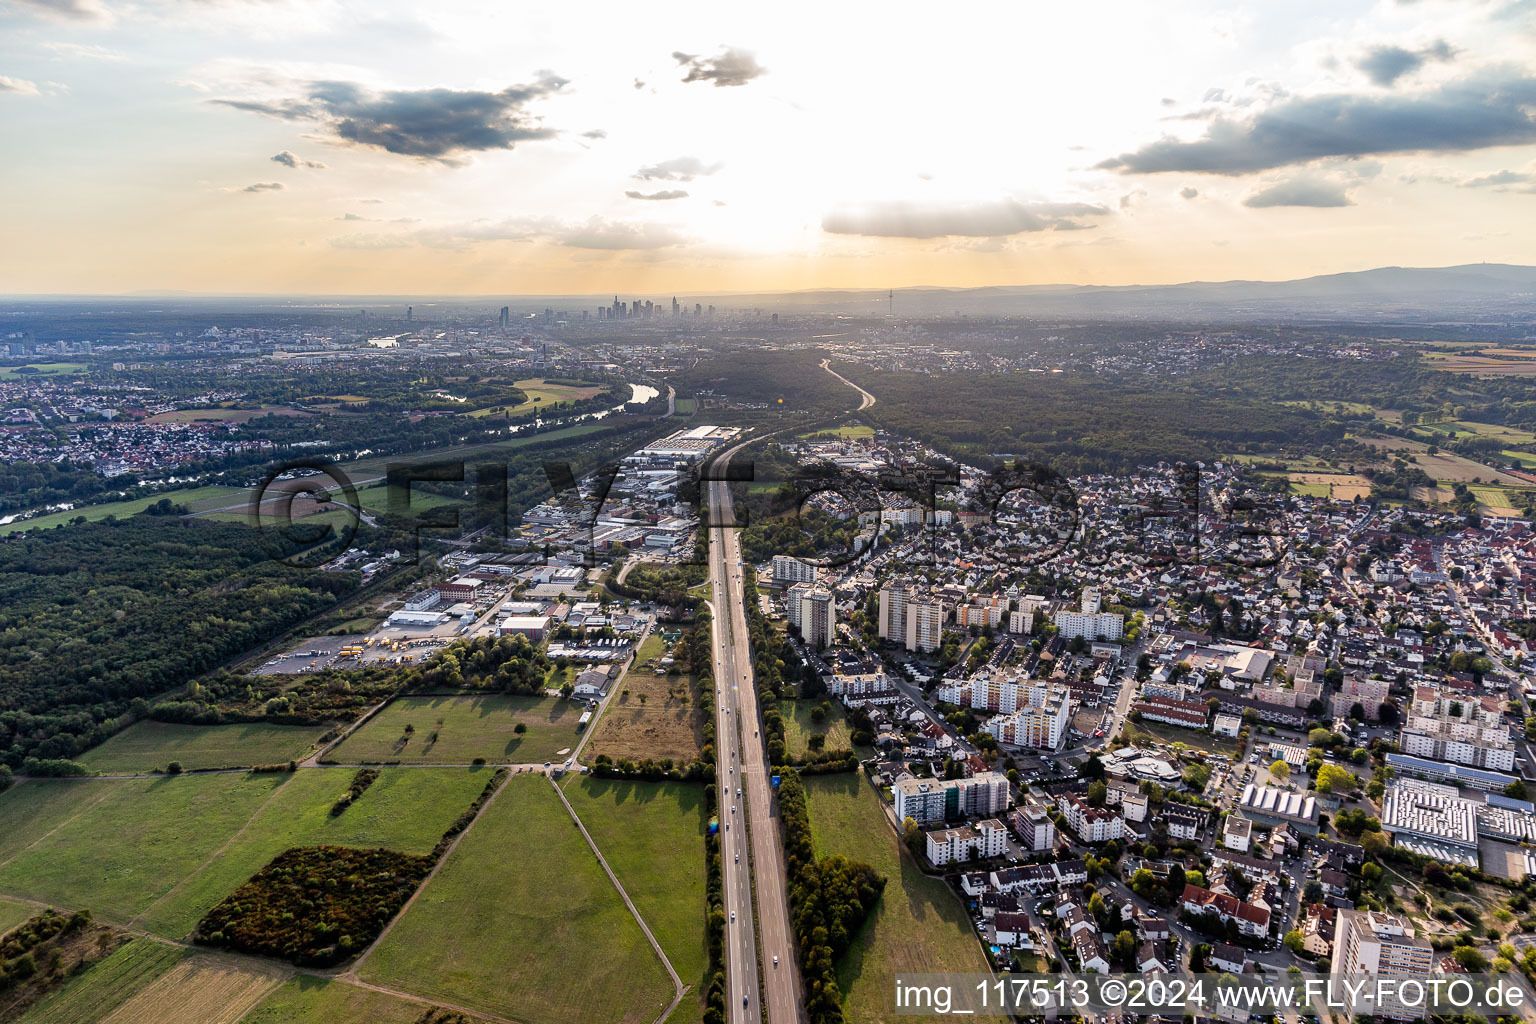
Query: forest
point(315, 906)
point(1076, 423)
point(94, 616)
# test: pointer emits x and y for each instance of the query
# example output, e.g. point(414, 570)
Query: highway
point(742, 765)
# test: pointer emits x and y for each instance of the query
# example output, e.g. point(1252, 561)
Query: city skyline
point(313, 148)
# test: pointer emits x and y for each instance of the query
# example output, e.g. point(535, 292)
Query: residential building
point(1092, 824)
point(1371, 942)
point(931, 800)
point(1035, 829)
point(818, 617)
point(788, 570)
point(984, 839)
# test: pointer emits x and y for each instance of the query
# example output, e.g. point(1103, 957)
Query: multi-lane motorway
point(748, 854)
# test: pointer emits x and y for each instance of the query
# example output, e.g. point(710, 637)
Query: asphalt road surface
point(743, 766)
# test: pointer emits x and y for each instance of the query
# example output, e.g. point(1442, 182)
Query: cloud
point(1300, 191)
point(66, 10)
point(351, 216)
point(1504, 181)
point(682, 168)
point(1384, 65)
point(265, 186)
point(1132, 197)
point(730, 67)
point(671, 193)
point(1481, 111)
point(595, 133)
point(1189, 192)
point(287, 159)
point(17, 86)
point(594, 233)
point(84, 51)
point(991, 218)
point(433, 124)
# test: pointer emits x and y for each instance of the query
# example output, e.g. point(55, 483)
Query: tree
point(1516, 790)
point(1470, 958)
point(520, 728)
point(1280, 771)
point(1098, 792)
point(1333, 779)
point(174, 768)
point(1295, 942)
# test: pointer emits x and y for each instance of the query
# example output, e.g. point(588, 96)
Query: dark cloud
point(265, 186)
point(287, 159)
point(1189, 192)
point(682, 168)
point(671, 193)
point(1500, 178)
point(434, 124)
point(730, 67)
point(1491, 109)
point(977, 220)
point(1302, 191)
point(1384, 65)
point(595, 133)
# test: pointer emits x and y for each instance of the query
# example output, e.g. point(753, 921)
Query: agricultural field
point(115, 847)
point(375, 498)
point(1338, 486)
point(466, 727)
point(521, 922)
point(918, 926)
point(1447, 468)
point(799, 726)
point(225, 414)
point(123, 509)
point(310, 1000)
point(651, 714)
point(41, 368)
point(406, 810)
point(1484, 366)
point(541, 394)
point(13, 913)
point(848, 432)
point(206, 989)
point(652, 835)
point(89, 997)
point(149, 746)
point(1495, 501)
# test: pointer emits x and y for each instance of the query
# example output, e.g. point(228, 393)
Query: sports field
point(149, 746)
point(652, 835)
point(918, 926)
point(522, 922)
point(406, 810)
point(466, 727)
point(119, 845)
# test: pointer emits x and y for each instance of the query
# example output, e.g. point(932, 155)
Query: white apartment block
point(787, 570)
point(910, 620)
point(792, 598)
point(1038, 728)
point(858, 685)
point(930, 800)
point(818, 617)
point(1021, 622)
point(1371, 942)
point(1092, 824)
point(951, 845)
point(1036, 830)
point(1448, 726)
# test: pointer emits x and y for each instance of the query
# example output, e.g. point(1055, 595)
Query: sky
point(339, 147)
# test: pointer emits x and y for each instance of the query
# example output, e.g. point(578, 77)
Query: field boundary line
point(679, 989)
point(351, 972)
point(134, 922)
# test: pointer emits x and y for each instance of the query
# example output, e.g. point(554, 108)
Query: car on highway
point(775, 961)
point(733, 917)
point(738, 858)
